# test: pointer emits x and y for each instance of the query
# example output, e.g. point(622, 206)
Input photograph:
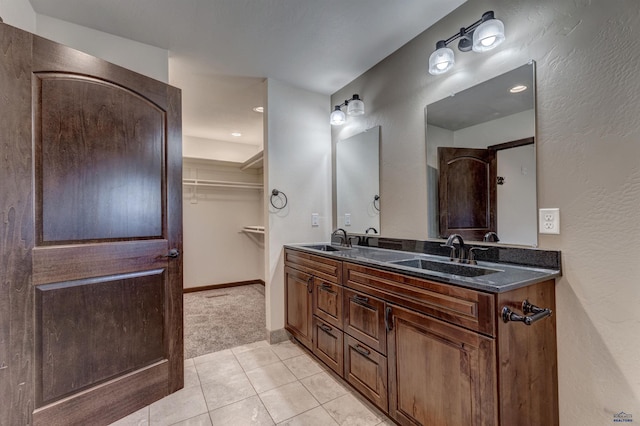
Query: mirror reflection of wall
point(358, 182)
point(486, 117)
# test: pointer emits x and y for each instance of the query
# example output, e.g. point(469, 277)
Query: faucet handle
point(453, 251)
point(472, 259)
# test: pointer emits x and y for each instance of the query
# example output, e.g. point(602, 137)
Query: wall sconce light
point(355, 106)
point(481, 36)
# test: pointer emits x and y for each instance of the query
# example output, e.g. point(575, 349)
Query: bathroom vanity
point(428, 341)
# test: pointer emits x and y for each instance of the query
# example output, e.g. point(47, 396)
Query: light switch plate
point(315, 219)
point(549, 221)
point(347, 219)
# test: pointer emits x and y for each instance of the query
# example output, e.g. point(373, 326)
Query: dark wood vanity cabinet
point(426, 353)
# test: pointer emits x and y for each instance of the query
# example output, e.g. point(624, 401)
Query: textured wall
point(588, 63)
point(298, 163)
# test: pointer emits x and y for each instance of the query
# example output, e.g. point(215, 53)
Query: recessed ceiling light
point(258, 109)
point(236, 134)
point(518, 88)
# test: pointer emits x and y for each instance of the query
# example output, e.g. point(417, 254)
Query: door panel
point(467, 192)
point(108, 186)
point(93, 314)
point(299, 309)
point(96, 329)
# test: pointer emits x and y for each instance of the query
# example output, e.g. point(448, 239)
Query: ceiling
point(222, 50)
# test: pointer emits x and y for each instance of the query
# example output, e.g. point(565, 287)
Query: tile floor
point(258, 384)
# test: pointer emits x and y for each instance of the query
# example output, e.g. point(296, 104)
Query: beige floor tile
point(182, 405)
point(191, 376)
point(323, 387)
point(250, 346)
point(223, 365)
point(255, 358)
point(139, 418)
point(213, 356)
point(270, 376)
point(348, 411)
point(201, 420)
point(247, 412)
point(227, 390)
point(386, 423)
point(302, 366)
point(316, 417)
point(188, 362)
point(286, 350)
point(288, 401)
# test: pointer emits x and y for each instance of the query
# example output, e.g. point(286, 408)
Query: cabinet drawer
point(364, 319)
point(469, 308)
point(328, 344)
point(321, 267)
point(327, 302)
point(366, 370)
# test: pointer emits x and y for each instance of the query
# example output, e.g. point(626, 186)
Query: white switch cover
point(315, 219)
point(549, 221)
point(347, 219)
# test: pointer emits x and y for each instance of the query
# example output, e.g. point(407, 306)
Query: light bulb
point(355, 106)
point(441, 60)
point(488, 35)
point(337, 117)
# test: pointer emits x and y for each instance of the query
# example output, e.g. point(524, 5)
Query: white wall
point(18, 13)
point(588, 128)
point(193, 147)
point(142, 58)
point(215, 249)
point(298, 163)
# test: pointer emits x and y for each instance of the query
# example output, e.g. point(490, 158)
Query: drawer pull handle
point(326, 328)
point(327, 288)
point(527, 308)
point(362, 351)
point(360, 299)
point(388, 323)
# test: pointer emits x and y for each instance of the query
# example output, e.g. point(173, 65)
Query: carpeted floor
point(223, 318)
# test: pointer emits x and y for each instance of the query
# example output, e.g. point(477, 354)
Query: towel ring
point(277, 195)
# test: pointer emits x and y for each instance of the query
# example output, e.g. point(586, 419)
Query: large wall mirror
point(481, 161)
point(358, 182)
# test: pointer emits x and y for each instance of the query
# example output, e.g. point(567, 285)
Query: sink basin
point(325, 247)
point(446, 268)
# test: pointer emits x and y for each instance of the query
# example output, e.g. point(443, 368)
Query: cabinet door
point(328, 344)
point(298, 290)
point(327, 302)
point(364, 319)
point(439, 374)
point(366, 370)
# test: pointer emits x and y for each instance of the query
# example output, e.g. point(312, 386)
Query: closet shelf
point(254, 162)
point(253, 229)
point(221, 184)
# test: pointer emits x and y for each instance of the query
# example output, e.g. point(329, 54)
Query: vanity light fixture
point(236, 134)
point(481, 36)
point(355, 107)
point(258, 109)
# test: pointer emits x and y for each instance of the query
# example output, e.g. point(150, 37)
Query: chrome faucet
point(461, 252)
point(344, 238)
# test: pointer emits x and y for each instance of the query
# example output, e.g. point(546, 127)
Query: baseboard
point(224, 285)
point(277, 336)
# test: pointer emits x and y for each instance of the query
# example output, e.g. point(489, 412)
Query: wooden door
point(94, 204)
point(467, 192)
point(298, 305)
point(439, 374)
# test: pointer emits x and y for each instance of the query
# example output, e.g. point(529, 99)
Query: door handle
point(173, 253)
point(310, 285)
point(388, 321)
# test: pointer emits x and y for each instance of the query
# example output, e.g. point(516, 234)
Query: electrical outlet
point(315, 219)
point(347, 219)
point(549, 221)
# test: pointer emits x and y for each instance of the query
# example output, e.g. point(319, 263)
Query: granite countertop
point(497, 278)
